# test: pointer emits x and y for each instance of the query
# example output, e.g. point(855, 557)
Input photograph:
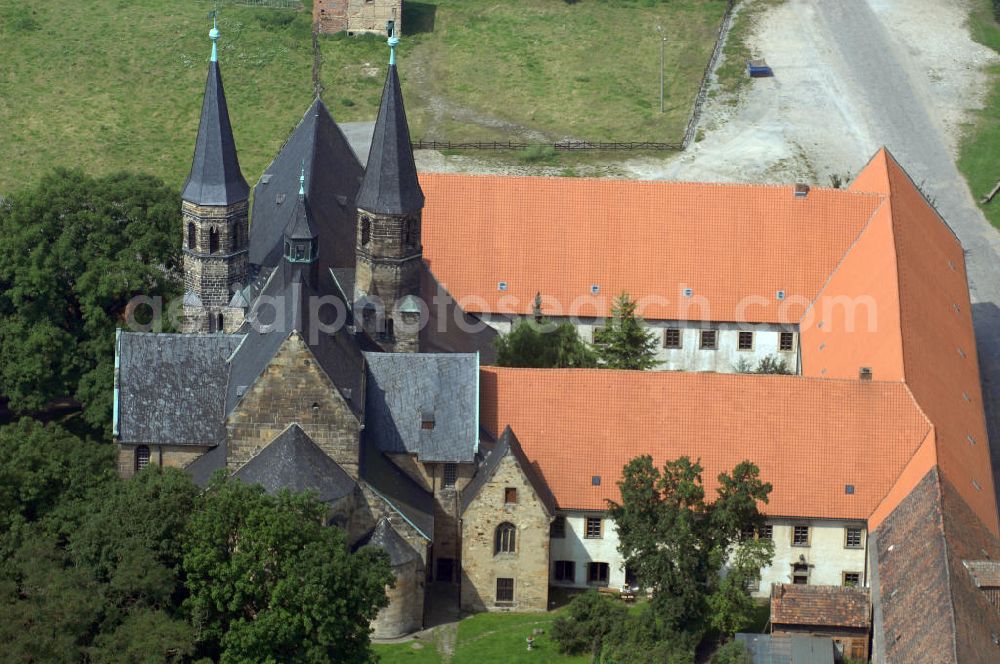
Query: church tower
point(388, 251)
point(214, 203)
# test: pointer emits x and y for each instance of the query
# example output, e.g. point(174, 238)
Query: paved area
point(359, 135)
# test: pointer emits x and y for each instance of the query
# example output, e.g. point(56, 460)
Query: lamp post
point(663, 41)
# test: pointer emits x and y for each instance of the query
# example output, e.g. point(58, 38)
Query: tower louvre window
point(366, 230)
point(192, 235)
point(213, 240)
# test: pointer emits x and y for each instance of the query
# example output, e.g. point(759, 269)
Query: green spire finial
point(302, 179)
point(213, 34)
point(393, 43)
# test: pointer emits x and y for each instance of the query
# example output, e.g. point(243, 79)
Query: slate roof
point(215, 177)
point(203, 468)
point(827, 606)
point(407, 497)
point(300, 225)
point(294, 462)
point(403, 388)
point(385, 537)
point(333, 175)
point(171, 387)
point(810, 437)
point(507, 444)
point(337, 353)
point(390, 185)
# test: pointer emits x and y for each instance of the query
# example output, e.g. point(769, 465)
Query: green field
point(488, 637)
point(114, 84)
point(979, 153)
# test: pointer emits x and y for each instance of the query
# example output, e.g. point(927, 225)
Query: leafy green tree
point(770, 364)
point(269, 583)
point(624, 343)
point(675, 540)
point(543, 344)
point(731, 606)
point(646, 638)
point(733, 652)
point(45, 469)
point(588, 621)
point(77, 249)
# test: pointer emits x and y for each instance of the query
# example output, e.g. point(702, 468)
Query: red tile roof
point(810, 437)
point(826, 606)
point(560, 236)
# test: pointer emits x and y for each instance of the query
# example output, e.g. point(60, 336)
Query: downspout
point(475, 430)
point(114, 407)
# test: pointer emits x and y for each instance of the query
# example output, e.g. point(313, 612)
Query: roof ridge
point(644, 181)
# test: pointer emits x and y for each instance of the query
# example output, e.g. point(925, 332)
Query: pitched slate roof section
point(294, 462)
point(287, 308)
point(828, 606)
point(717, 239)
point(390, 185)
point(333, 175)
point(385, 537)
point(172, 387)
point(507, 445)
point(215, 177)
point(397, 488)
point(985, 573)
point(811, 438)
point(403, 388)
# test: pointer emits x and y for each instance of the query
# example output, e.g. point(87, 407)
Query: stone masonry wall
point(387, 266)
point(405, 613)
point(357, 16)
point(528, 566)
point(294, 389)
point(167, 456)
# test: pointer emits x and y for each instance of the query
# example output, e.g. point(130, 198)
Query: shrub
point(733, 652)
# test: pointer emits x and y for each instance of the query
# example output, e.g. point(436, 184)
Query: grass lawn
point(405, 653)
point(106, 85)
point(541, 69)
point(979, 153)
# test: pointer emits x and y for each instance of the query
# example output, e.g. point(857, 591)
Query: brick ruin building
point(338, 324)
point(357, 16)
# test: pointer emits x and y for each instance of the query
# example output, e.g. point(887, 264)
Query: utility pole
point(663, 41)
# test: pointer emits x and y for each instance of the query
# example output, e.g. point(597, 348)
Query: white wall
point(826, 554)
point(576, 547)
point(690, 356)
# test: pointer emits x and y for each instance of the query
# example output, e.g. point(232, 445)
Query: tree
point(731, 606)
point(623, 343)
point(269, 583)
point(543, 344)
point(588, 621)
point(772, 365)
point(676, 542)
point(77, 249)
point(733, 652)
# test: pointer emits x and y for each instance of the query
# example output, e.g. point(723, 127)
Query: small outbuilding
point(405, 613)
point(840, 613)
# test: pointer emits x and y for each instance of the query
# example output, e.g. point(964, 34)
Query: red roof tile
point(810, 437)
point(827, 606)
point(560, 236)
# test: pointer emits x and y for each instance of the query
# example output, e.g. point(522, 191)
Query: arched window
point(505, 538)
point(192, 235)
point(213, 240)
point(141, 457)
point(218, 323)
point(366, 231)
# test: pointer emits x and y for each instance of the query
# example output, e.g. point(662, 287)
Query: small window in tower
point(218, 323)
point(192, 235)
point(300, 252)
point(213, 240)
point(366, 231)
point(450, 475)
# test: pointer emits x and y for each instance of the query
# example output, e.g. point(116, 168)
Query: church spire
point(215, 177)
point(390, 184)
